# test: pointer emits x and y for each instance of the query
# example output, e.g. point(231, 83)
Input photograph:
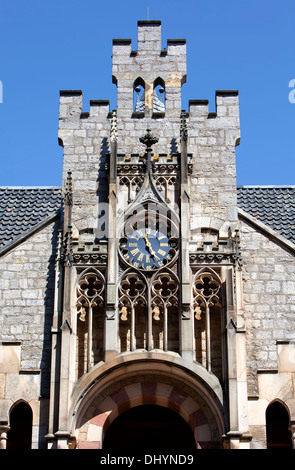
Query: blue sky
point(47, 46)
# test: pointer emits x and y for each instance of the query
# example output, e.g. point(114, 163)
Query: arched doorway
point(20, 434)
point(277, 427)
point(149, 427)
point(148, 381)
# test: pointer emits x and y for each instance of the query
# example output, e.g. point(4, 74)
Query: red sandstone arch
point(146, 393)
point(96, 414)
point(135, 379)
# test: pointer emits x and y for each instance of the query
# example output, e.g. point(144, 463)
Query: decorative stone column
point(234, 439)
point(111, 333)
point(4, 428)
point(292, 429)
point(186, 325)
point(234, 434)
point(66, 327)
point(63, 438)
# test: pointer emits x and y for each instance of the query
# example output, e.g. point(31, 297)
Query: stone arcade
point(149, 300)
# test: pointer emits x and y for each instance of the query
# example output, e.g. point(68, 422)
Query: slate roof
point(22, 208)
point(272, 205)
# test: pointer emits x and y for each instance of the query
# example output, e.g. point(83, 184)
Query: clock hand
point(148, 244)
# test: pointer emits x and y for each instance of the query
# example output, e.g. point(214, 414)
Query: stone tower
point(149, 302)
point(150, 252)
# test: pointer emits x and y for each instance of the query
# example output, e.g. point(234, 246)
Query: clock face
point(147, 249)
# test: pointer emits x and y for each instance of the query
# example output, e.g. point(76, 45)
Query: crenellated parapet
point(147, 68)
point(213, 137)
point(149, 82)
point(85, 138)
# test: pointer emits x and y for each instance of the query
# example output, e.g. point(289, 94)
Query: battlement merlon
point(148, 45)
point(71, 113)
point(225, 117)
point(149, 36)
point(70, 104)
point(149, 63)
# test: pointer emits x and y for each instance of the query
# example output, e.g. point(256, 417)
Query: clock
point(147, 248)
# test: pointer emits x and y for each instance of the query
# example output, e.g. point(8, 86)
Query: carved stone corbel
point(111, 312)
point(186, 311)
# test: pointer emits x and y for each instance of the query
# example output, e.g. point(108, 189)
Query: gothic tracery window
point(90, 319)
point(149, 312)
point(208, 319)
point(165, 290)
point(130, 185)
point(132, 311)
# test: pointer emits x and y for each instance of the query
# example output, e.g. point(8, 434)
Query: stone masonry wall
point(212, 141)
point(85, 141)
point(269, 300)
point(149, 63)
point(212, 137)
point(26, 299)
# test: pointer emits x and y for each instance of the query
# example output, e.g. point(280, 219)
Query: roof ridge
point(238, 186)
point(30, 187)
point(267, 186)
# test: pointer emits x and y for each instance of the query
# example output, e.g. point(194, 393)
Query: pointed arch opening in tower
point(159, 96)
point(139, 96)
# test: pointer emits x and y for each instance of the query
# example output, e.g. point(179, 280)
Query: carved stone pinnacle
point(148, 139)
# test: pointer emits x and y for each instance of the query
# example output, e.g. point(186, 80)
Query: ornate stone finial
point(114, 128)
point(67, 251)
point(59, 248)
point(238, 255)
point(148, 139)
point(69, 190)
point(183, 126)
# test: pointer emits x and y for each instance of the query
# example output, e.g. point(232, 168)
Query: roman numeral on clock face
point(147, 248)
point(162, 252)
